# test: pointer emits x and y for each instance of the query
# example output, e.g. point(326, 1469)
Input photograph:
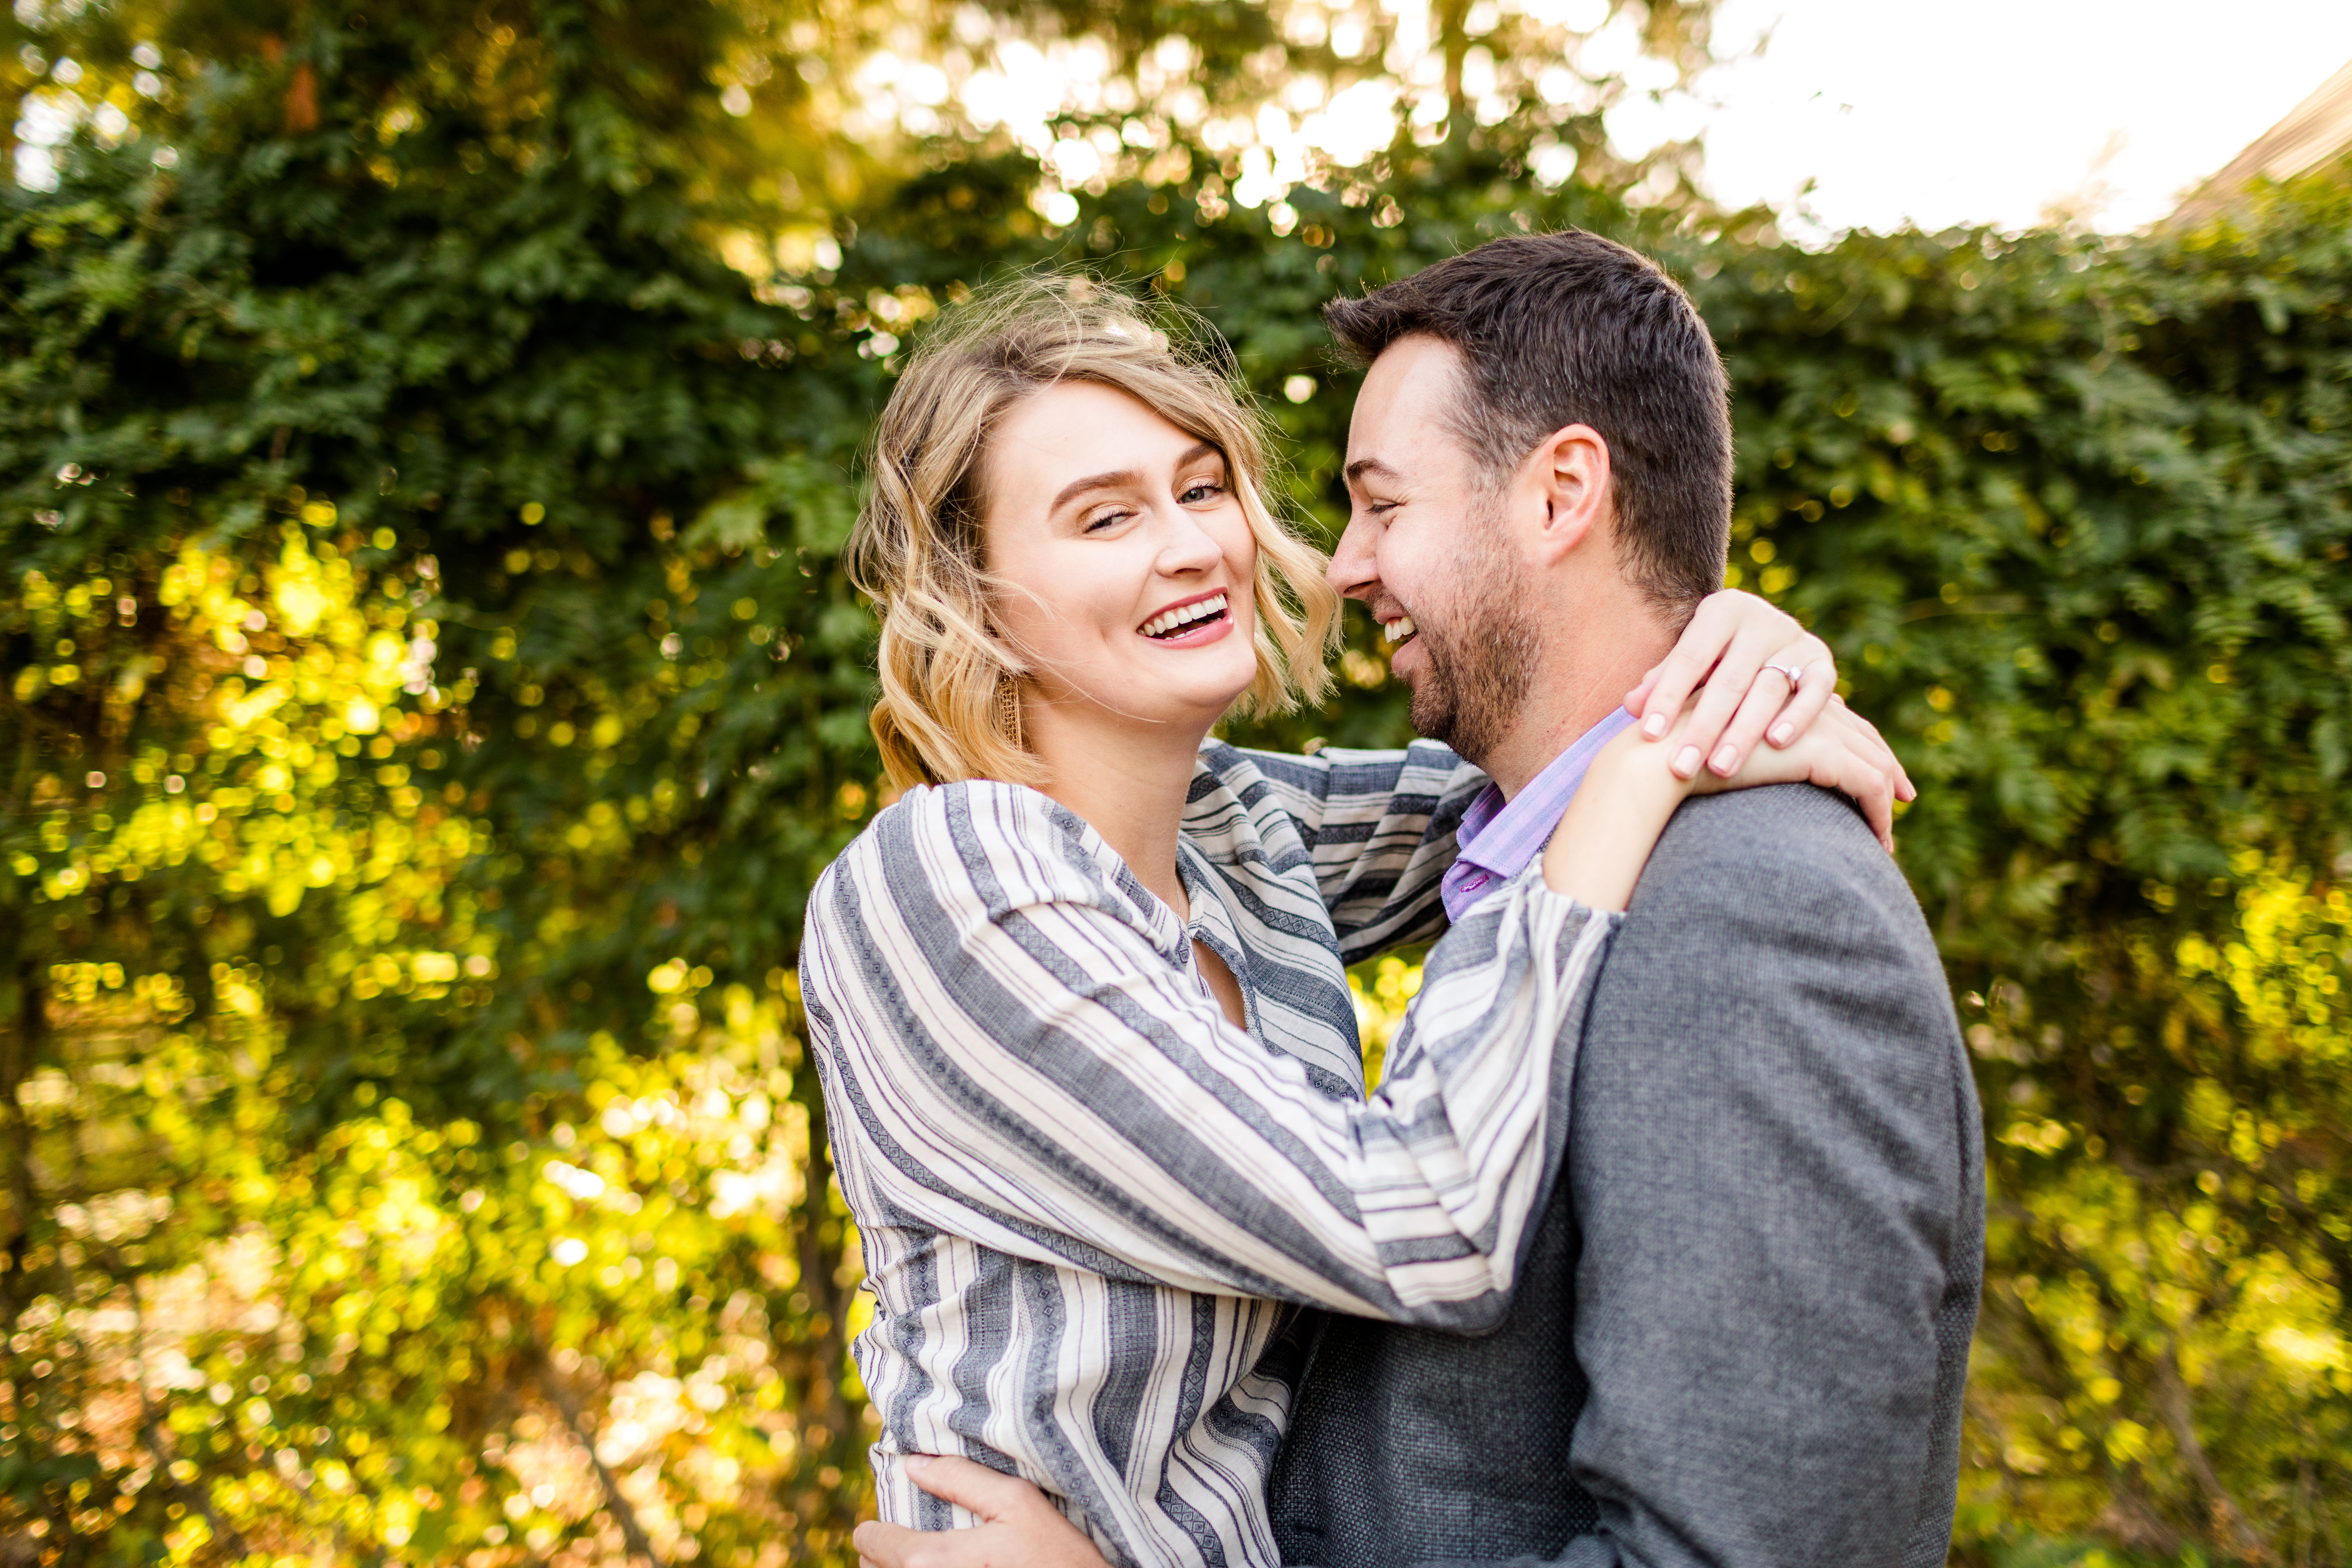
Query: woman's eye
point(1097, 525)
point(1201, 491)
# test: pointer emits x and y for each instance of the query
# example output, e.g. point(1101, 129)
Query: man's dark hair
point(1572, 328)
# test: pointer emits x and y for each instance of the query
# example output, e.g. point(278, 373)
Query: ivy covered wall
point(430, 690)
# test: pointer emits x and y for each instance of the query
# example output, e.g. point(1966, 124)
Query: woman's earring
point(1008, 708)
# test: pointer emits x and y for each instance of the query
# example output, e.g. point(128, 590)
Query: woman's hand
point(1843, 752)
point(1597, 852)
point(1763, 675)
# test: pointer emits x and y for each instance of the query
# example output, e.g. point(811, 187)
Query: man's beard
point(1482, 656)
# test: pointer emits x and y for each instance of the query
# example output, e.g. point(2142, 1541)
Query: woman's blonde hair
point(950, 704)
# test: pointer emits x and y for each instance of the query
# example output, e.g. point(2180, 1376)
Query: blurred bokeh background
point(427, 432)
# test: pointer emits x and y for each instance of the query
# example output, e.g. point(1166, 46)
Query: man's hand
point(1018, 1528)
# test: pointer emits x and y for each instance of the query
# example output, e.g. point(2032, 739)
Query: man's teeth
point(1184, 615)
point(1397, 631)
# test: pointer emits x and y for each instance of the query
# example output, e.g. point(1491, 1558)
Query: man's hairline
point(1490, 477)
point(1488, 481)
point(1464, 399)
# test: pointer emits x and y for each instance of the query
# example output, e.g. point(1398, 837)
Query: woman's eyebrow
point(1127, 476)
point(1094, 482)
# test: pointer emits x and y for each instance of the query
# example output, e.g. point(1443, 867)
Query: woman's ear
point(1570, 471)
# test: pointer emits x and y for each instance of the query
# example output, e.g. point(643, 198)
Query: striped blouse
point(1087, 1202)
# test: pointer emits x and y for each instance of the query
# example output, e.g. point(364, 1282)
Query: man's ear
point(1568, 471)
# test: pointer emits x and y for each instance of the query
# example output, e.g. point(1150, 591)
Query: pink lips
point(1198, 634)
point(1207, 629)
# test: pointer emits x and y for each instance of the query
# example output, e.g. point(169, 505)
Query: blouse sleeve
point(1379, 827)
point(1023, 1062)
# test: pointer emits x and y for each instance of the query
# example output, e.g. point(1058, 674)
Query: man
point(1741, 1331)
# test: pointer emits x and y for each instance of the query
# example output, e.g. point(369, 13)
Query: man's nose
point(1355, 564)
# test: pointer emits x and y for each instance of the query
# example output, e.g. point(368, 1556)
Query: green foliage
point(2075, 517)
point(366, 714)
point(431, 692)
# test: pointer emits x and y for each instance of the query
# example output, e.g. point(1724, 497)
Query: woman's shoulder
point(1426, 766)
point(1234, 808)
point(981, 843)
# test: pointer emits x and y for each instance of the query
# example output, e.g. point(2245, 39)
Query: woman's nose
point(1185, 545)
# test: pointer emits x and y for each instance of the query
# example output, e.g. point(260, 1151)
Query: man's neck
point(1579, 679)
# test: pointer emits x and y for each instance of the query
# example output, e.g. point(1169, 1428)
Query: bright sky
point(1988, 111)
point(1927, 111)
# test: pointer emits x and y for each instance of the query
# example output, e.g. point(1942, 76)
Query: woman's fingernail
point(1653, 726)
point(1726, 758)
point(1782, 733)
point(916, 1462)
point(1685, 762)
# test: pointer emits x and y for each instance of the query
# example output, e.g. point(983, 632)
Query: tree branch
point(2171, 1398)
point(567, 1405)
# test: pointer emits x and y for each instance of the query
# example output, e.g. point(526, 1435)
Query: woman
point(1078, 997)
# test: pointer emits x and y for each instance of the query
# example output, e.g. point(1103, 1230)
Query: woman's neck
point(1127, 783)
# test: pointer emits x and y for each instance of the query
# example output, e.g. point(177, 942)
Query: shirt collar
point(1497, 839)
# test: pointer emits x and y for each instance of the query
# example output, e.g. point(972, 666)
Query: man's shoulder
point(1759, 909)
point(1780, 847)
point(1796, 819)
point(1774, 937)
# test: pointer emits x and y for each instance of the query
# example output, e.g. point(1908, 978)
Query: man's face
point(1427, 552)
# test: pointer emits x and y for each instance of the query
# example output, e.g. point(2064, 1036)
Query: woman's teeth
point(1185, 616)
point(1397, 631)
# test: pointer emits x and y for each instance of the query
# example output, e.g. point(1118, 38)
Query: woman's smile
point(1111, 533)
point(1191, 623)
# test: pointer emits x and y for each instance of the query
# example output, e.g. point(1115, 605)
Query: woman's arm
point(1604, 838)
point(1379, 825)
point(1010, 1058)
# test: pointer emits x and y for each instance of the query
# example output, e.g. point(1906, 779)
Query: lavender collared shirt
point(1497, 839)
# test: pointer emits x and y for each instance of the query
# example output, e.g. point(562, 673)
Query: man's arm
point(1775, 1165)
point(1019, 1526)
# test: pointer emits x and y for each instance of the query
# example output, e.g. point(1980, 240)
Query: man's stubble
point(1482, 647)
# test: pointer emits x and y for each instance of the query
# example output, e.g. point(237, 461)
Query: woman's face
point(1125, 561)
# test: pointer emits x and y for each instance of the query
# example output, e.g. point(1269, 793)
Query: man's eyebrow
point(1363, 465)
